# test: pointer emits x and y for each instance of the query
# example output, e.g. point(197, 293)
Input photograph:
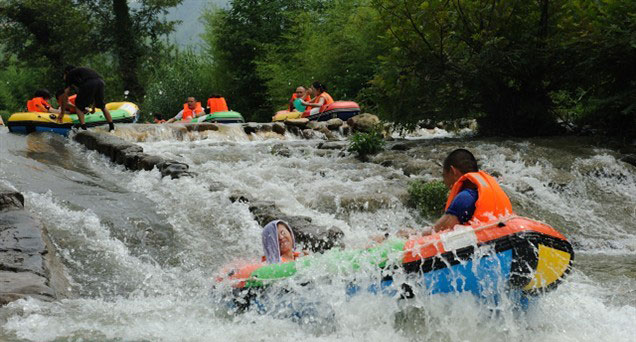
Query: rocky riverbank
point(29, 266)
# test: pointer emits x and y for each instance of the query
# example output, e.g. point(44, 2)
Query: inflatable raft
point(340, 109)
point(285, 114)
point(514, 255)
point(29, 122)
point(220, 117)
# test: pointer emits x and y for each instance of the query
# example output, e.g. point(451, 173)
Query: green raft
point(333, 262)
point(29, 122)
point(221, 117)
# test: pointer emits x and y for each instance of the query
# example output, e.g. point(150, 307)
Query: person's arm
point(64, 98)
point(177, 117)
point(460, 210)
point(447, 221)
point(317, 104)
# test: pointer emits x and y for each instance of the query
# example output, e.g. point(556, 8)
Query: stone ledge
point(28, 263)
point(132, 156)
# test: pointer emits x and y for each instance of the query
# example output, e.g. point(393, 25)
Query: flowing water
point(141, 252)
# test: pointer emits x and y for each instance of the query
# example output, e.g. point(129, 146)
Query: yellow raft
point(28, 122)
point(285, 114)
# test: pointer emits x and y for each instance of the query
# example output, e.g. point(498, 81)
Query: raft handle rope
point(499, 223)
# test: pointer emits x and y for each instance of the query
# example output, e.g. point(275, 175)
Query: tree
point(40, 32)
point(236, 39)
point(132, 33)
point(60, 32)
point(341, 50)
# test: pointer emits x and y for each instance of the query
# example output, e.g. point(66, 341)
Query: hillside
point(187, 33)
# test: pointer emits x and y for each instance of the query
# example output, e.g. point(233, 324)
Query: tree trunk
point(127, 50)
point(543, 23)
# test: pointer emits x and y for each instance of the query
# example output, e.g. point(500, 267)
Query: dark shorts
point(91, 91)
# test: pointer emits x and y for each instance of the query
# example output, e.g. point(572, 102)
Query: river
point(141, 251)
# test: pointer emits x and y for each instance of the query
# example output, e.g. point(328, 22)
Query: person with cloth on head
point(39, 102)
point(191, 109)
point(90, 93)
point(278, 243)
point(321, 98)
point(475, 196)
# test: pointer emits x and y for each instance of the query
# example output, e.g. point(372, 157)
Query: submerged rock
point(174, 169)
point(238, 196)
point(216, 186)
point(281, 150)
point(250, 128)
point(629, 159)
point(308, 133)
point(10, 198)
point(345, 129)
point(332, 145)
point(148, 162)
point(279, 128)
point(201, 127)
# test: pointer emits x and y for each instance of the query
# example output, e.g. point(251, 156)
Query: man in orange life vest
point(475, 196)
point(191, 110)
point(216, 103)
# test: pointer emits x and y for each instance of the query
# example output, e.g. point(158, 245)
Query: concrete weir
point(28, 263)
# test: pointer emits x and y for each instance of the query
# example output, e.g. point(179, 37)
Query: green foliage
point(38, 33)
point(18, 85)
point(237, 38)
point(5, 116)
point(51, 34)
point(340, 50)
point(365, 144)
point(172, 82)
point(519, 67)
point(428, 197)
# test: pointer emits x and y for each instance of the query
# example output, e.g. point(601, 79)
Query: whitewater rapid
point(141, 251)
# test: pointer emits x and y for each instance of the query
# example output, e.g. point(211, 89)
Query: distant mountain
point(187, 33)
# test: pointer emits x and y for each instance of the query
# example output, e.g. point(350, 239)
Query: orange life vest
point(71, 100)
point(217, 104)
point(492, 201)
point(188, 113)
point(328, 100)
point(38, 104)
